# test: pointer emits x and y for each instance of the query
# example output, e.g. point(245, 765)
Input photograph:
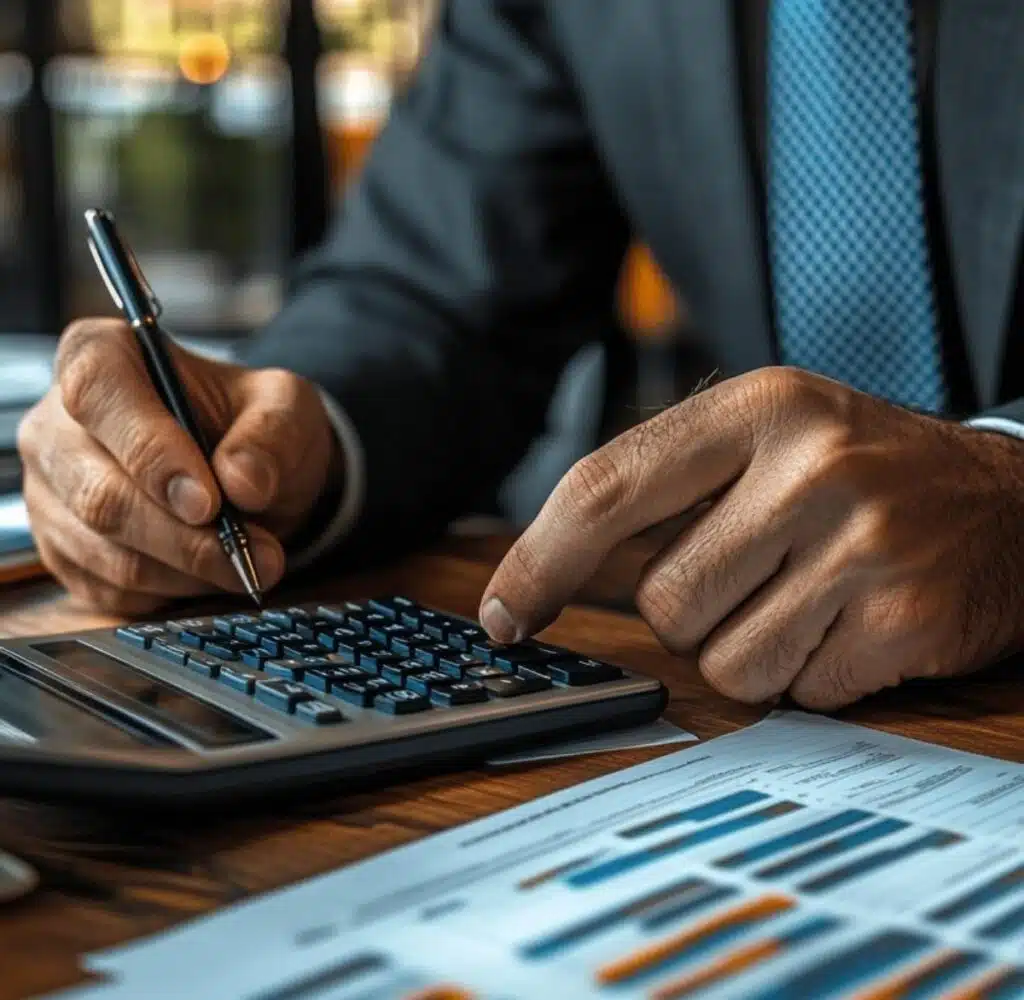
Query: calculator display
point(203, 722)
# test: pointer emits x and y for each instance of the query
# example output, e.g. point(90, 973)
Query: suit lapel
point(708, 177)
point(979, 91)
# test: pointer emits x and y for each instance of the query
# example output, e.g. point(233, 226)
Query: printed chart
point(800, 858)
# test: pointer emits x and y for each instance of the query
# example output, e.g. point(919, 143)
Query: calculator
point(196, 712)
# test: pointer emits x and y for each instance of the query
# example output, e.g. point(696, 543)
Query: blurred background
point(221, 133)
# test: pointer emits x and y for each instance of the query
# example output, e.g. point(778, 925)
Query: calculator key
point(281, 694)
point(140, 635)
point(401, 671)
point(319, 713)
point(373, 661)
point(439, 627)
point(392, 606)
point(362, 623)
point(464, 637)
point(281, 618)
point(255, 658)
point(227, 624)
point(171, 651)
point(205, 666)
point(337, 613)
point(237, 678)
point(459, 693)
point(432, 653)
point(297, 650)
point(197, 639)
point(351, 650)
point(330, 638)
point(323, 678)
point(407, 645)
point(413, 618)
point(190, 625)
point(392, 630)
point(485, 649)
point(275, 644)
point(426, 682)
point(483, 673)
point(309, 629)
point(361, 692)
point(456, 664)
point(575, 672)
point(227, 649)
point(512, 686)
point(257, 631)
point(401, 702)
point(510, 658)
point(291, 670)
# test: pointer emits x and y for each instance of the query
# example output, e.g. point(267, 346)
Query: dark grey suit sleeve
point(478, 252)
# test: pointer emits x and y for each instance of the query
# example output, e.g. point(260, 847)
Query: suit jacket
point(481, 246)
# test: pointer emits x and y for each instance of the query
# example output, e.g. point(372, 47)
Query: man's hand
point(120, 497)
point(849, 544)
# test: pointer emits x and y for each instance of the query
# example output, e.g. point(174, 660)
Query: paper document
point(800, 858)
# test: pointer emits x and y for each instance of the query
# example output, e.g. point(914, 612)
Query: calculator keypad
point(389, 655)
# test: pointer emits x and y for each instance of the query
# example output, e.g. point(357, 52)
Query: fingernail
point(269, 562)
point(190, 501)
point(499, 623)
point(254, 468)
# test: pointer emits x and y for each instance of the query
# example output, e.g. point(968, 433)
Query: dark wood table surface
point(107, 879)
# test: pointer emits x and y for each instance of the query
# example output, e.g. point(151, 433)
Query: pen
point(133, 295)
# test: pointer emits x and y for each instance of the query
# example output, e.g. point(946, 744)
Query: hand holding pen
point(124, 503)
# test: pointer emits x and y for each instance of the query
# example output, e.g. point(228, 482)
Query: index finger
point(652, 472)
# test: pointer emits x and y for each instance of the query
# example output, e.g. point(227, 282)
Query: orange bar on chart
point(653, 955)
point(903, 983)
point(442, 992)
point(985, 987)
point(729, 965)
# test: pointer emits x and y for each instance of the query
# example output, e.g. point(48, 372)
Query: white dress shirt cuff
point(1002, 425)
point(353, 491)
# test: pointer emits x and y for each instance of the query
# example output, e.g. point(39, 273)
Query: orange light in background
point(204, 58)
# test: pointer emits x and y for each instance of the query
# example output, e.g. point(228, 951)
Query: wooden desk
point(106, 881)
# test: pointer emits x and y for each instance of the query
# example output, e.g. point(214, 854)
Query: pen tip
point(257, 596)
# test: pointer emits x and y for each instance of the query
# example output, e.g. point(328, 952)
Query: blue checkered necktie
point(850, 267)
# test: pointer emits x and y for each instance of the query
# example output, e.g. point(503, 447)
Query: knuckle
point(143, 453)
point(659, 603)
point(123, 569)
point(28, 433)
point(595, 489)
point(722, 669)
point(102, 503)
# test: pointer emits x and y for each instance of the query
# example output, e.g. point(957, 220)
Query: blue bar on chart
point(1003, 983)
point(1004, 926)
point(832, 848)
point(683, 898)
point(937, 840)
point(849, 968)
point(981, 896)
point(927, 978)
point(786, 842)
point(628, 862)
point(697, 814)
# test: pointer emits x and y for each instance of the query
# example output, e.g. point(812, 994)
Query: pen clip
point(104, 275)
point(155, 305)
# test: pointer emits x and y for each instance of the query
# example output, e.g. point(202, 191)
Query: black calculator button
point(361, 692)
point(281, 694)
point(226, 624)
point(240, 680)
point(401, 703)
point(485, 649)
point(291, 670)
point(407, 645)
point(171, 651)
point(350, 651)
point(362, 623)
point(392, 606)
point(190, 625)
point(257, 631)
point(274, 644)
point(483, 673)
point(255, 658)
point(280, 618)
point(196, 639)
point(297, 650)
point(319, 713)
point(463, 638)
point(324, 678)
point(227, 649)
point(510, 658)
point(430, 681)
point(575, 672)
point(438, 627)
point(413, 618)
point(332, 637)
point(431, 653)
point(338, 613)
point(373, 661)
point(205, 666)
point(459, 693)
point(309, 629)
point(139, 635)
point(319, 662)
point(456, 664)
point(510, 686)
point(392, 630)
point(398, 673)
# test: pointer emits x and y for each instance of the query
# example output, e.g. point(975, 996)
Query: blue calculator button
point(171, 651)
point(240, 680)
point(281, 694)
point(291, 670)
point(401, 702)
point(205, 666)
